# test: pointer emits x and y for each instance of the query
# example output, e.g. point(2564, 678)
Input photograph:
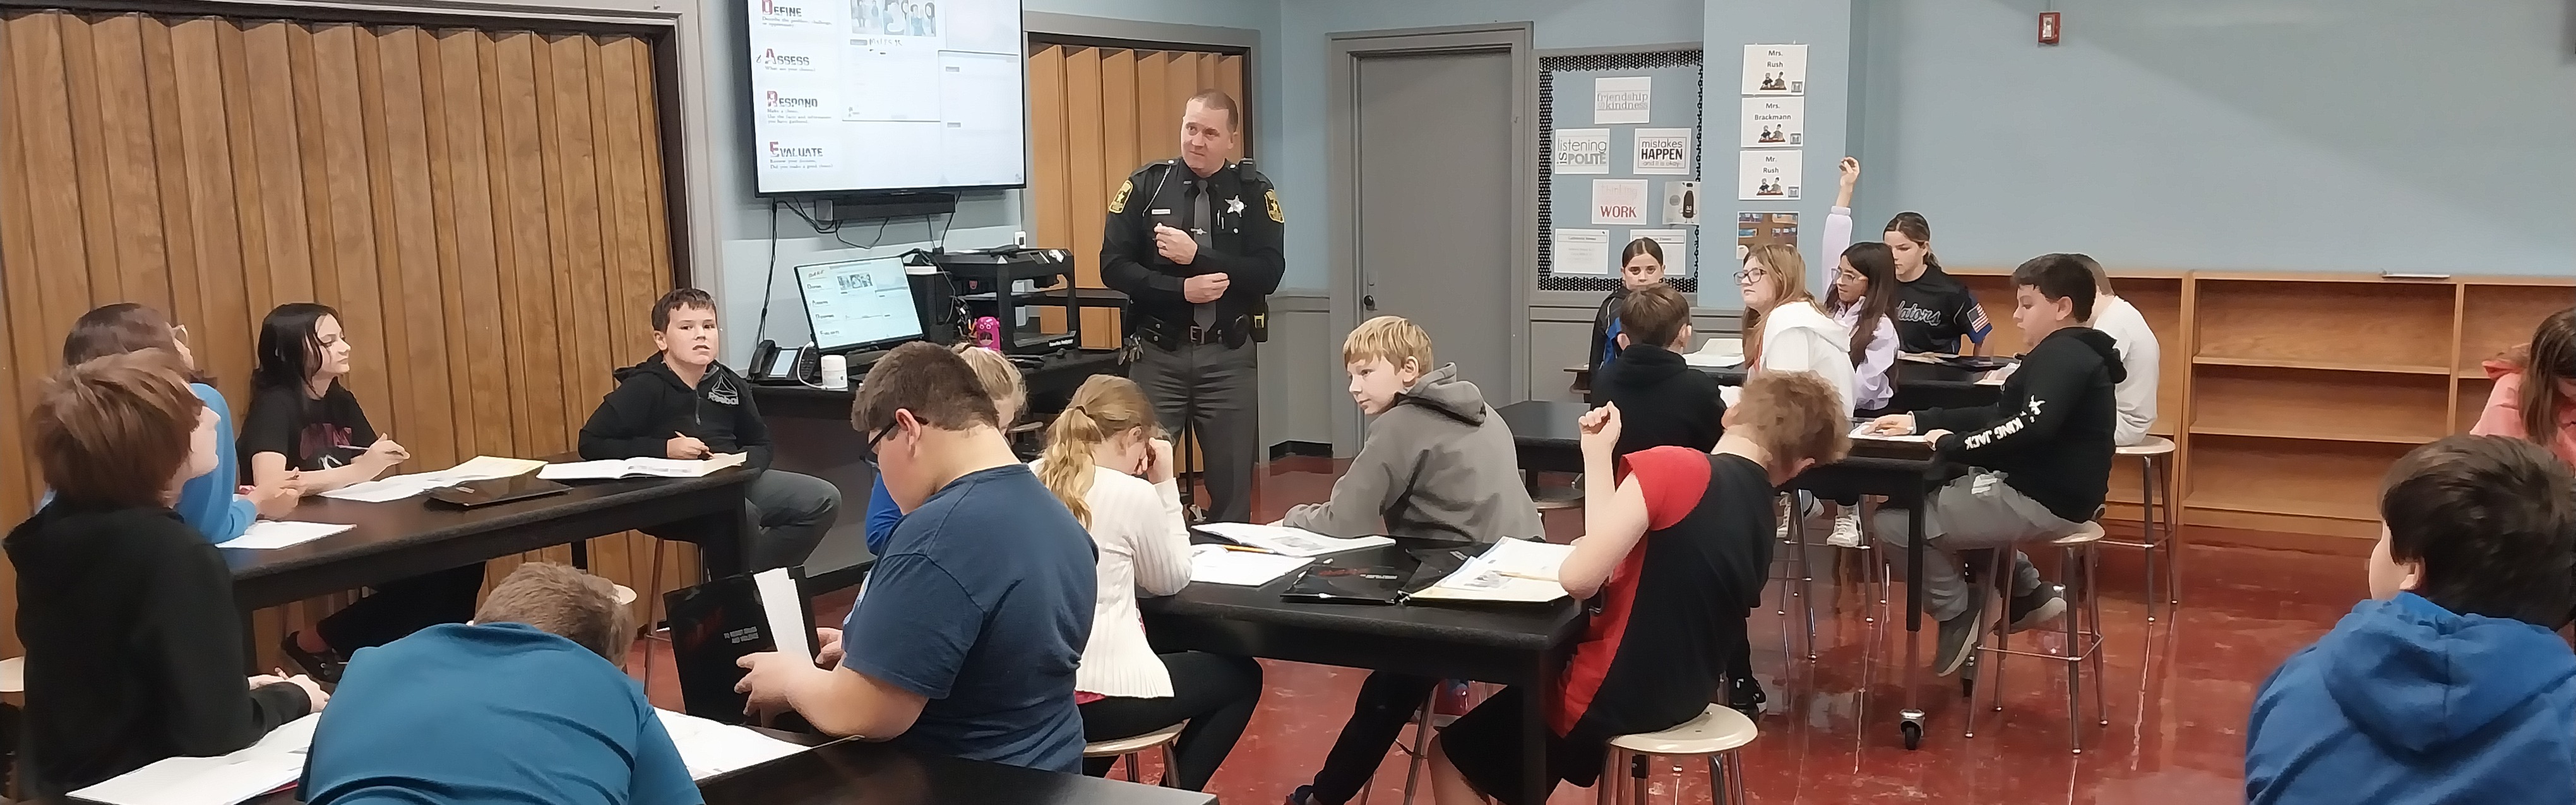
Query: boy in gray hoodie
point(1439, 464)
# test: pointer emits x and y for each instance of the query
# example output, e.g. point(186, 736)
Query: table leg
point(1911, 718)
point(1536, 784)
point(581, 555)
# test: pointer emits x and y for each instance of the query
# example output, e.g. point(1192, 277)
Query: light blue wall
point(983, 219)
point(2298, 135)
point(1824, 26)
point(1305, 29)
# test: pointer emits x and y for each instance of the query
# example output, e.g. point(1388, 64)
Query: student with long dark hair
point(305, 429)
point(2535, 389)
point(1933, 310)
point(134, 650)
point(209, 502)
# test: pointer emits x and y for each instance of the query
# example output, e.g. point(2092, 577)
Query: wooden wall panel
point(486, 210)
point(1096, 114)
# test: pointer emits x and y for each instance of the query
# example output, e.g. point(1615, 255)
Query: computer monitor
point(858, 304)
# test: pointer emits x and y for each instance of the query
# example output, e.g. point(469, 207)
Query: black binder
point(713, 626)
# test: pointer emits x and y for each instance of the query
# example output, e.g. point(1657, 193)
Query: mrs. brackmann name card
point(1774, 122)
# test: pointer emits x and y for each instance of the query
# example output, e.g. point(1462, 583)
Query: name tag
point(1158, 212)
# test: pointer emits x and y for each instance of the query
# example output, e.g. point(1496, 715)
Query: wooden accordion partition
point(485, 208)
point(2300, 390)
point(1096, 114)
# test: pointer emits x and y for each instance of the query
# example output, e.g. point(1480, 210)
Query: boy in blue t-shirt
point(978, 609)
point(525, 704)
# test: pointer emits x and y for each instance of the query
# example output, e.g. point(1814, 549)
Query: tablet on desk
point(472, 494)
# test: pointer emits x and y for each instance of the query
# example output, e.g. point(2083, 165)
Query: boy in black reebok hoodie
point(680, 403)
point(2039, 459)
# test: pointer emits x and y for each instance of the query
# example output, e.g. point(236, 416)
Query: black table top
point(1518, 628)
point(862, 773)
point(401, 531)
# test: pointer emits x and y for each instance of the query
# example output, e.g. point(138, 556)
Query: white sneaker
point(1846, 529)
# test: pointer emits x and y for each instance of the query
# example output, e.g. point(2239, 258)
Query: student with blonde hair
point(1107, 460)
point(1001, 381)
point(1439, 464)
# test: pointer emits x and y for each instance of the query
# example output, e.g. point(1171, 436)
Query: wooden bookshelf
point(2294, 392)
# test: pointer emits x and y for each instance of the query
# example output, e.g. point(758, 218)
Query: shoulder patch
point(1118, 203)
point(1270, 198)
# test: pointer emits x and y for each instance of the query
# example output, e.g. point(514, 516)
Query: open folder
point(607, 469)
point(1287, 541)
point(1511, 571)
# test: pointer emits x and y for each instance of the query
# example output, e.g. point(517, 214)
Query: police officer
point(1194, 242)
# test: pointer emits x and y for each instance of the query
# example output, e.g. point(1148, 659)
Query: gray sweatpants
point(1967, 518)
point(1223, 385)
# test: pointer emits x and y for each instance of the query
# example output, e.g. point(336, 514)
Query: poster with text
point(1775, 69)
point(1619, 201)
point(1581, 251)
point(1676, 246)
point(1763, 229)
point(1681, 203)
point(1768, 175)
point(1774, 122)
point(1582, 150)
point(1625, 99)
point(1663, 152)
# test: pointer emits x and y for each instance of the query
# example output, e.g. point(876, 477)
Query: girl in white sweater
point(1106, 461)
point(1788, 330)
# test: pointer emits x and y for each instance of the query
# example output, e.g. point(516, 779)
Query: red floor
point(2177, 693)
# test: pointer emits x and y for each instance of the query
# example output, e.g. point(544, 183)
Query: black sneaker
point(1744, 694)
point(1959, 639)
point(325, 667)
point(2040, 607)
point(1304, 795)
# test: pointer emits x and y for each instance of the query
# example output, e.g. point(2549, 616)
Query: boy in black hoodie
point(682, 404)
point(2039, 459)
point(1669, 403)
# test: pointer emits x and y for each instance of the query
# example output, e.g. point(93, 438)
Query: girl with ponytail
point(1105, 458)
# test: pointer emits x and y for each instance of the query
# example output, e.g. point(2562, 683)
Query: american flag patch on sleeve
point(1978, 326)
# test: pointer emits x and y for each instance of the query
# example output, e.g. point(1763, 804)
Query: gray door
point(1434, 195)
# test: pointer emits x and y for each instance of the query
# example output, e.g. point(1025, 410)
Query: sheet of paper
point(1622, 99)
point(267, 534)
point(485, 468)
point(1512, 570)
point(683, 468)
point(1289, 541)
point(1619, 201)
point(710, 749)
point(1996, 377)
point(1774, 123)
point(780, 599)
point(1582, 151)
point(1775, 70)
point(1861, 431)
point(583, 470)
point(1214, 564)
point(1768, 175)
point(384, 490)
point(1663, 151)
point(275, 761)
point(1584, 252)
point(1676, 245)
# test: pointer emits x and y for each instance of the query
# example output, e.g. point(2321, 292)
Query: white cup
point(836, 372)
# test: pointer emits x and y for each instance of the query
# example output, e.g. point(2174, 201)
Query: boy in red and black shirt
point(1677, 548)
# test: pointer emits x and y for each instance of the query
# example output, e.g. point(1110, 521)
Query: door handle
point(1369, 301)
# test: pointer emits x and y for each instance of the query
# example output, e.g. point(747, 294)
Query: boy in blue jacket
point(2450, 685)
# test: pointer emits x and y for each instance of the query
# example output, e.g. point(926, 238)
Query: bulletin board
point(1622, 129)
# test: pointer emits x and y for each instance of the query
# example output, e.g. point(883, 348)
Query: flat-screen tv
point(854, 96)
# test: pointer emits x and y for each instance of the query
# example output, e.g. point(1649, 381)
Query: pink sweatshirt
point(2503, 415)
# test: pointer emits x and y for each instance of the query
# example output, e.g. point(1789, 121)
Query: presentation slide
point(860, 95)
point(856, 303)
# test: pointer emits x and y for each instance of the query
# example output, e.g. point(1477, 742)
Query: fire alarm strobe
point(2050, 26)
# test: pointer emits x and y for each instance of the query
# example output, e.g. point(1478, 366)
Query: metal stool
point(2158, 519)
point(2083, 629)
point(1418, 754)
point(1805, 578)
point(1133, 750)
point(1715, 735)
